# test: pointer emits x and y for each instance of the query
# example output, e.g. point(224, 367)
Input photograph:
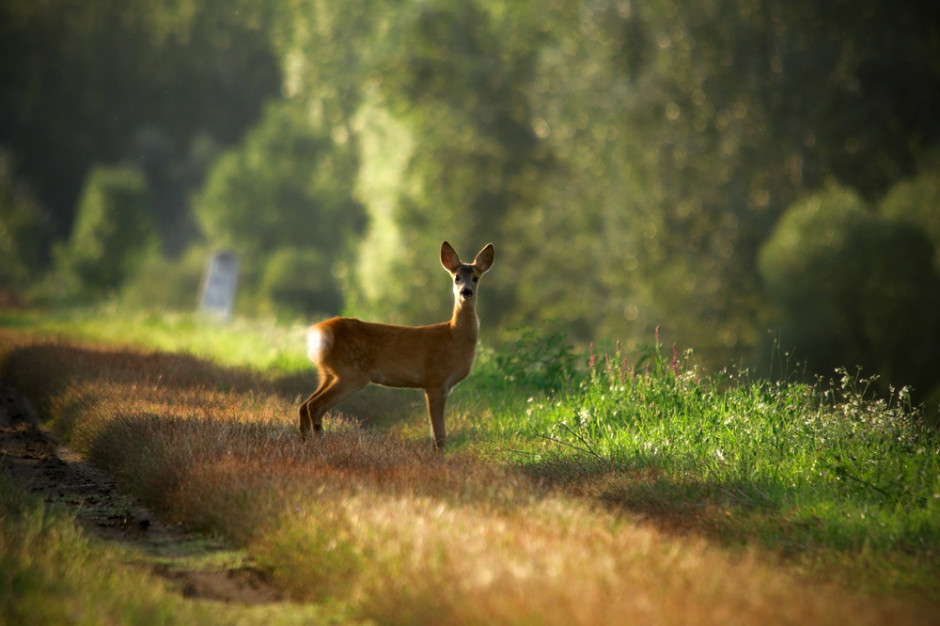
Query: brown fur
point(350, 353)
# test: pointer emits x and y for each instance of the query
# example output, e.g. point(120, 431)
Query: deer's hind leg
point(307, 406)
point(333, 389)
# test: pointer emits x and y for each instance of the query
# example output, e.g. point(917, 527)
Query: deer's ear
point(449, 258)
point(484, 260)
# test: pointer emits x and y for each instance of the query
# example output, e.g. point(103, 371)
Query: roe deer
point(350, 353)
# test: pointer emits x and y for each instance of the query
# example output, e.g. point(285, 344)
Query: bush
point(286, 187)
point(854, 289)
point(113, 233)
point(23, 230)
point(539, 361)
point(300, 281)
point(162, 283)
point(917, 202)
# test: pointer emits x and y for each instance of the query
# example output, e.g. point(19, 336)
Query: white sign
point(220, 285)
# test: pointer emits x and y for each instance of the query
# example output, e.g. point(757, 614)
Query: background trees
point(281, 201)
point(82, 79)
point(855, 287)
point(112, 236)
point(637, 164)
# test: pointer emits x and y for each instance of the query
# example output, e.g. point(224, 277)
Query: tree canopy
point(637, 164)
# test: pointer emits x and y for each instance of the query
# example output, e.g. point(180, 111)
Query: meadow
point(579, 486)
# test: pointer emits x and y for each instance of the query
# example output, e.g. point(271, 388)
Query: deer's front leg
point(437, 399)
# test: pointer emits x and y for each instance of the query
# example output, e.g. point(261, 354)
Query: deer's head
point(466, 275)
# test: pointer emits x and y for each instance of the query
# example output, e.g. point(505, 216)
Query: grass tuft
point(558, 503)
point(811, 472)
point(51, 573)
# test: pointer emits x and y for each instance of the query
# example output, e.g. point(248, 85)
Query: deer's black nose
point(466, 292)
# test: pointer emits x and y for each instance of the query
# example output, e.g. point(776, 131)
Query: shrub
point(113, 232)
point(854, 289)
point(287, 186)
point(299, 282)
point(23, 230)
point(166, 283)
point(539, 361)
point(917, 202)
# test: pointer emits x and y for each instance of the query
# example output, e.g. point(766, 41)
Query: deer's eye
point(456, 279)
point(476, 279)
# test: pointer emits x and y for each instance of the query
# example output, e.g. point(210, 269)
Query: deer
point(350, 353)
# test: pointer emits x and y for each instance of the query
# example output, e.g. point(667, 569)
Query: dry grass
point(380, 523)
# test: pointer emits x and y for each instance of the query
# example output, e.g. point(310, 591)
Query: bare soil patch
point(37, 460)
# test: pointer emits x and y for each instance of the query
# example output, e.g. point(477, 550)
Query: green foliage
point(531, 361)
point(83, 78)
point(462, 149)
point(628, 159)
point(285, 188)
point(917, 202)
point(166, 284)
point(51, 573)
point(172, 176)
point(844, 468)
point(301, 283)
point(23, 230)
point(113, 233)
point(854, 287)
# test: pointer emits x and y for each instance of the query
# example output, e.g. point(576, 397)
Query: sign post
point(220, 284)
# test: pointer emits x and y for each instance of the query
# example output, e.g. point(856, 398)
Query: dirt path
point(36, 460)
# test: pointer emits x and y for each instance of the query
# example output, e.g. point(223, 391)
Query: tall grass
point(375, 522)
point(795, 467)
point(51, 573)
point(264, 345)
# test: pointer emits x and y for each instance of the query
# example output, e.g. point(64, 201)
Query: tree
point(452, 95)
point(113, 231)
point(286, 187)
point(301, 282)
point(855, 289)
point(24, 231)
point(80, 79)
point(916, 201)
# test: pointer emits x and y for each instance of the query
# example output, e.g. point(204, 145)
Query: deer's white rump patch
point(318, 342)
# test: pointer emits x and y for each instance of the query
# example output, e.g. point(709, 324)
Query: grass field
point(603, 488)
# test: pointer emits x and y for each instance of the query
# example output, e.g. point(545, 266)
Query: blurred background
point(760, 179)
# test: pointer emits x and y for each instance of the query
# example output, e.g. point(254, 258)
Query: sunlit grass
point(607, 493)
point(51, 573)
point(818, 473)
point(262, 345)
point(388, 528)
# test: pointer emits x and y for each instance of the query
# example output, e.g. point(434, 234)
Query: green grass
point(262, 345)
point(825, 479)
point(825, 473)
point(44, 555)
point(51, 572)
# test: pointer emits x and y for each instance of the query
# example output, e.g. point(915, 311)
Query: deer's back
point(395, 356)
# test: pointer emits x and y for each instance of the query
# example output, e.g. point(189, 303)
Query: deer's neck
point(464, 324)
